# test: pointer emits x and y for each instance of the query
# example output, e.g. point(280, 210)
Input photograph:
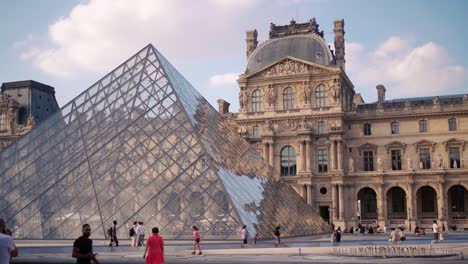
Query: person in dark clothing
point(278, 233)
point(338, 235)
point(113, 235)
point(83, 247)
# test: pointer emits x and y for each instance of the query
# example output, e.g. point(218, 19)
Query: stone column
point(271, 154)
point(334, 202)
point(303, 155)
point(308, 155)
point(380, 204)
point(441, 201)
point(310, 194)
point(265, 151)
point(341, 200)
point(302, 191)
point(340, 155)
point(332, 155)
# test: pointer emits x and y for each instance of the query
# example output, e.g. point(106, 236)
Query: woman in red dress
point(154, 248)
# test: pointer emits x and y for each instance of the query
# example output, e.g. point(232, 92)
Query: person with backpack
point(132, 233)
point(112, 232)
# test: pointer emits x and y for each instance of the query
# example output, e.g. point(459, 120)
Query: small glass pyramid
point(143, 145)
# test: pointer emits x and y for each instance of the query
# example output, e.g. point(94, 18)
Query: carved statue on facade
point(409, 164)
point(435, 100)
point(271, 95)
point(421, 166)
point(243, 98)
point(350, 164)
point(269, 125)
point(455, 165)
point(307, 91)
point(441, 162)
point(336, 91)
point(379, 163)
point(433, 164)
point(465, 98)
point(242, 130)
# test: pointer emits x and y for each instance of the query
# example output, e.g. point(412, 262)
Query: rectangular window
point(454, 153)
point(322, 160)
point(396, 160)
point(255, 131)
point(452, 124)
point(423, 125)
point(2, 122)
point(321, 127)
point(368, 160)
point(367, 129)
point(424, 158)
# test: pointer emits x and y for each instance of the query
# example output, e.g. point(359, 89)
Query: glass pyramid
point(142, 144)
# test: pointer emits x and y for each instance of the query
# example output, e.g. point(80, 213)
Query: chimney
point(380, 93)
point(251, 41)
point(340, 43)
point(223, 106)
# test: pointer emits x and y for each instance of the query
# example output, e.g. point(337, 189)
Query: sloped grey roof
point(308, 47)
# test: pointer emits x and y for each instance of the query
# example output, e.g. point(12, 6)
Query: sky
point(414, 48)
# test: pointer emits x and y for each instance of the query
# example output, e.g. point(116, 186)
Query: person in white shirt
point(140, 231)
point(435, 229)
point(7, 248)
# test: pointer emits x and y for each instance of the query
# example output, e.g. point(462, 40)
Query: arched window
point(395, 127)
point(288, 98)
point(288, 161)
point(423, 125)
point(321, 95)
point(257, 101)
point(452, 122)
point(255, 131)
point(321, 127)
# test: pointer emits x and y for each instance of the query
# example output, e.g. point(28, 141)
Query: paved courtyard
point(292, 250)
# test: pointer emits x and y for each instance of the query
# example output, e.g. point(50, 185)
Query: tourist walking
point(3, 228)
point(254, 240)
point(83, 247)
point(140, 231)
point(435, 230)
point(112, 232)
point(196, 241)
point(154, 248)
point(244, 235)
point(7, 246)
point(132, 234)
point(337, 235)
point(278, 233)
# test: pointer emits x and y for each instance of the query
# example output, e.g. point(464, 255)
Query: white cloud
point(23, 43)
point(99, 34)
point(224, 79)
point(406, 70)
point(31, 53)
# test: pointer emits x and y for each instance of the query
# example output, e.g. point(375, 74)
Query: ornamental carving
point(287, 67)
point(454, 142)
point(307, 93)
point(336, 91)
point(425, 143)
point(271, 96)
point(366, 147)
point(289, 124)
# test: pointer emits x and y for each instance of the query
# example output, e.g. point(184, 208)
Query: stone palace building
point(396, 162)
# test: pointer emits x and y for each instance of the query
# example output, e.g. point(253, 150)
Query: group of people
point(245, 236)
point(154, 250)
point(137, 234)
point(7, 246)
point(396, 235)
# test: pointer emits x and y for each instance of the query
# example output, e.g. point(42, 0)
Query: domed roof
point(309, 47)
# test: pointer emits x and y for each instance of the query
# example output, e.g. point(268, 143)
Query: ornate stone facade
point(22, 104)
point(393, 161)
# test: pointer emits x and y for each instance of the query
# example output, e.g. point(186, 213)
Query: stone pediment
point(454, 142)
point(286, 67)
point(395, 145)
point(425, 143)
point(367, 146)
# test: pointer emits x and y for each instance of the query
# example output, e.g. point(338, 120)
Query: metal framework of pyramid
point(142, 144)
